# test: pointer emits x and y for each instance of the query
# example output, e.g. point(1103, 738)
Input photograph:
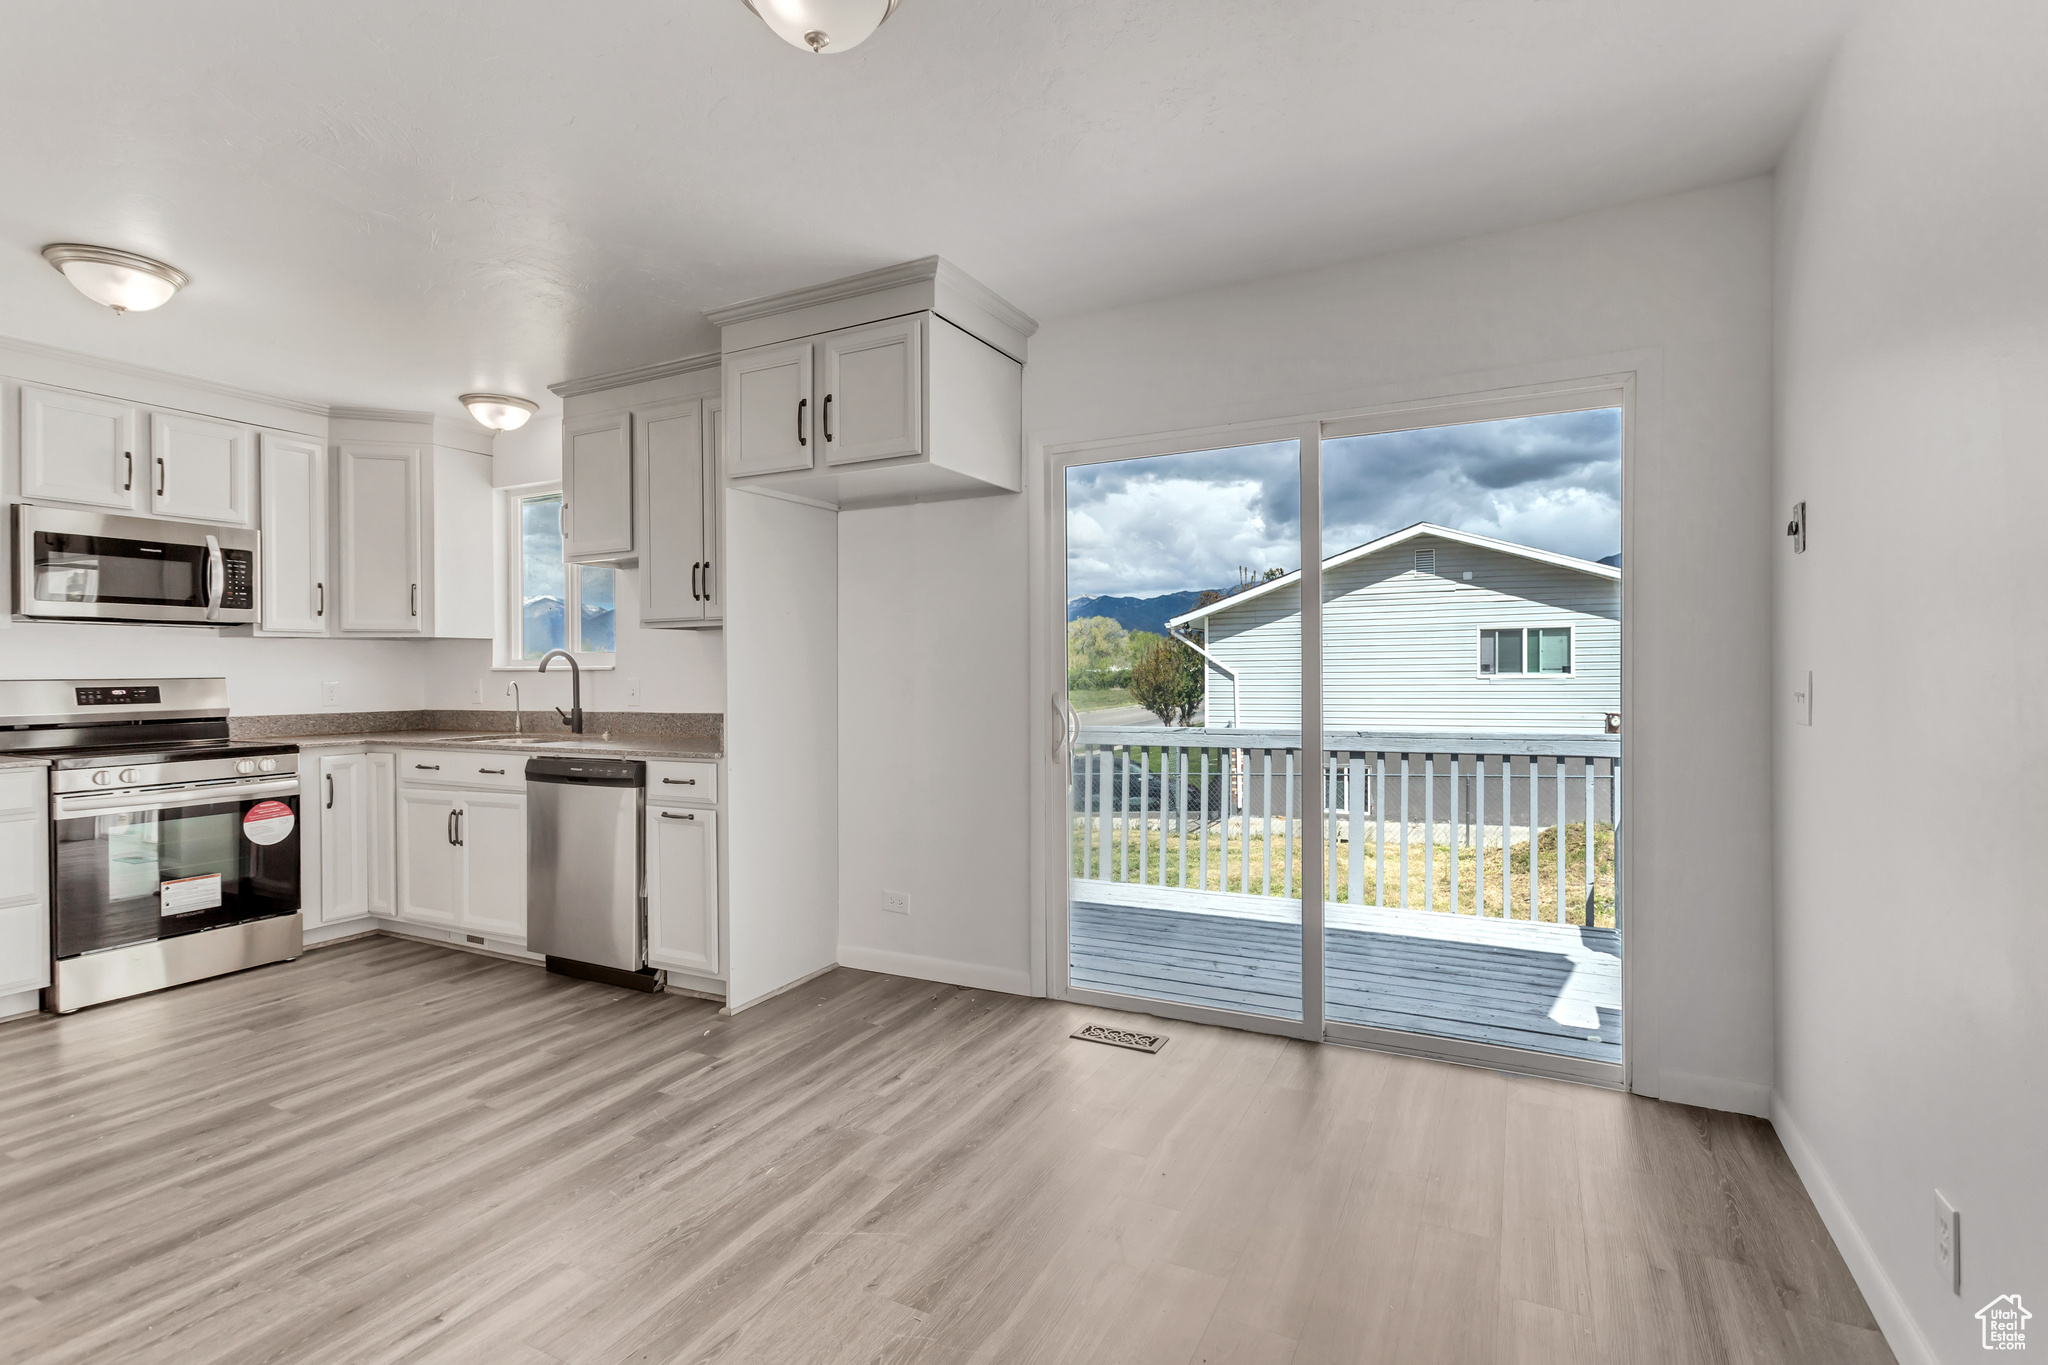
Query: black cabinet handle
point(330, 791)
point(707, 580)
point(461, 835)
point(679, 781)
point(321, 588)
point(128, 480)
point(415, 599)
point(428, 767)
point(494, 772)
point(695, 596)
point(828, 419)
point(672, 815)
point(159, 476)
point(451, 826)
point(801, 404)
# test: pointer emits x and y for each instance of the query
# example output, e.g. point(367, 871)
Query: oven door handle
point(116, 803)
point(216, 578)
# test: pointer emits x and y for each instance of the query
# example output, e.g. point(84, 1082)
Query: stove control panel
point(119, 696)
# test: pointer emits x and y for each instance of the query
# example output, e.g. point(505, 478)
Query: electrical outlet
point(1949, 1249)
point(896, 902)
point(478, 699)
point(330, 694)
point(632, 693)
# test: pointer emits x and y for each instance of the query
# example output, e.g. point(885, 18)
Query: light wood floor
point(388, 1151)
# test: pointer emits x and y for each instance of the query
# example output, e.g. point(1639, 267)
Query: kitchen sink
point(517, 739)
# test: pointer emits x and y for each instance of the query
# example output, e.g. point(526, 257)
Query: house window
point(1532, 649)
point(553, 604)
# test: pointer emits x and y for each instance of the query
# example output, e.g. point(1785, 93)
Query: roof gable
point(1388, 542)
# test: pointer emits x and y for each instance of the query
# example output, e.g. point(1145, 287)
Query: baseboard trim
point(970, 974)
point(1901, 1331)
point(1714, 1092)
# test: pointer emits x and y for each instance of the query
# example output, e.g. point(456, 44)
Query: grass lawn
point(1102, 845)
point(1102, 699)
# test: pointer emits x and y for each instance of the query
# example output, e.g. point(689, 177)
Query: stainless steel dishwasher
point(585, 855)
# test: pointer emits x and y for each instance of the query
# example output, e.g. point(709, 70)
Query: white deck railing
point(1223, 810)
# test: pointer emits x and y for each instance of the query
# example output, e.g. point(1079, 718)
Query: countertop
point(618, 746)
point(21, 761)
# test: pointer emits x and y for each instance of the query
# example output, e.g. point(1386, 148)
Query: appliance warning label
point(268, 822)
point(187, 894)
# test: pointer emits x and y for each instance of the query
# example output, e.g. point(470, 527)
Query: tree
point(1168, 682)
point(1138, 644)
point(1095, 642)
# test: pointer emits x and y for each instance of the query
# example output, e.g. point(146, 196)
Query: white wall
point(1913, 419)
point(677, 670)
point(1678, 289)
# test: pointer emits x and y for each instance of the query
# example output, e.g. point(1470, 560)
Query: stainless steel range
point(174, 849)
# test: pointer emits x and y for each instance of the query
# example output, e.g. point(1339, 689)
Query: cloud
point(1141, 527)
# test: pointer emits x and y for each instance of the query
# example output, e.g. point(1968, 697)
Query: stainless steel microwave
point(87, 566)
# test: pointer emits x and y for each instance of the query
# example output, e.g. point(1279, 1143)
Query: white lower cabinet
point(355, 793)
point(682, 889)
point(462, 860)
point(24, 881)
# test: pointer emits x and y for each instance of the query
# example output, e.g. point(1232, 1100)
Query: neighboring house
point(1427, 629)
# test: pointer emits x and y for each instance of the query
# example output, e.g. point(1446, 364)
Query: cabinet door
point(770, 418)
point(344, 861)
point(24, 881)
point(80, 449)
point(492, 830)
point(670, 439)
point(294, 530)
point(380, 539)
point(199, 469)
point(871, 404)
point(712, 581)
point(429, 860)
point(597, 487)
point(682, 889)
point(380, 833)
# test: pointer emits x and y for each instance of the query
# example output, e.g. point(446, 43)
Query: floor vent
point(1120, 1037)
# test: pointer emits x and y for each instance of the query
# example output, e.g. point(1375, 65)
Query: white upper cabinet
point(675, 490)
point(768, 409)
point(200, 469)
point(597, 488)
point(79, 449)
point(896, 386)
point(294, 529)
point(872, 405)
point(379, 578)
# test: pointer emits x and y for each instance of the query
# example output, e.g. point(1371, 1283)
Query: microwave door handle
point(216, 578)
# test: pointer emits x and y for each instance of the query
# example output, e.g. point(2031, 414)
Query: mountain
point(1136, 613)
point(1613, 561)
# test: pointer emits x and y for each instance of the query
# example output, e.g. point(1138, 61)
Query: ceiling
point(388, 202)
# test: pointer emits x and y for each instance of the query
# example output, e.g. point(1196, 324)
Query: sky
point(1138, 528)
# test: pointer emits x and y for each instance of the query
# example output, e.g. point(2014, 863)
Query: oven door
point(135, 866)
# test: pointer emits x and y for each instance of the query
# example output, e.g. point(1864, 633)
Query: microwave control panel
point(239, 568)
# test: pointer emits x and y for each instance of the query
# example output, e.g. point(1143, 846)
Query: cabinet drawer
point(678, 783)
point(483, 771)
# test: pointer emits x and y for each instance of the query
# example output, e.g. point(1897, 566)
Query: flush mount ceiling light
point(499, 411)
point(122, 280)
point(823, 25)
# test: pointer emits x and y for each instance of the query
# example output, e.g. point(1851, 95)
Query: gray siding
point(1400, 648)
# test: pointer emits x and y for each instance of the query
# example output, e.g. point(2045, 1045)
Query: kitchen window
point(1524, 650)
point(552, 604)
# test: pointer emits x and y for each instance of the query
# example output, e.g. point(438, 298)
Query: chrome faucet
point(574, 718)
point(518, 717)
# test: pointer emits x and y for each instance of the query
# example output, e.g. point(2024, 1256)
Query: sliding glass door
point(1185, 825)
point(1471, 651)
point(1344, 730)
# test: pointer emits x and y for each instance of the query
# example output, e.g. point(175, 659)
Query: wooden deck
point(1485, 981)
